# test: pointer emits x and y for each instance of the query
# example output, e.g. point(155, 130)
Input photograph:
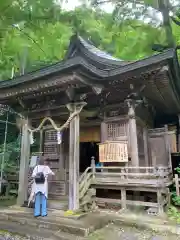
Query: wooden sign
point(113, 152)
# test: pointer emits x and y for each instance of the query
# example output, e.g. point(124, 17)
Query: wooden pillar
point(61, 157)
point(160, 202)
point(145, 139)
point(178, 147)
point(133, 134)
point(103, 132)
point(74, 157)
point(24, 164)
point(123, 198)
point(168, 148)
point(41, 141)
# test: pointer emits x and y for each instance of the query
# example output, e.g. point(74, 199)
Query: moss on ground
point(121, 233)
point(7, 202)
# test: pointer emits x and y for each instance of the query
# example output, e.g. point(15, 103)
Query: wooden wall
point(90, 134)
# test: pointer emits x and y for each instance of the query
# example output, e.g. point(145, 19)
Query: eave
point(84, 67)
point(75, 62)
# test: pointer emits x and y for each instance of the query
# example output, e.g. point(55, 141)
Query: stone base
point(20, 220)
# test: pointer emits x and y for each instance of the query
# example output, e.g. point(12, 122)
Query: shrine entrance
point(87, 151)
point(89, 139)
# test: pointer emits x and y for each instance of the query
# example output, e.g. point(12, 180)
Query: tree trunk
point(164, 9)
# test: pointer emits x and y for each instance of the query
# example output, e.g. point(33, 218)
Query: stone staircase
point(55, 226)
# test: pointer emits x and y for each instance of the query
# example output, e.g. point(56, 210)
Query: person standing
point(40, 187)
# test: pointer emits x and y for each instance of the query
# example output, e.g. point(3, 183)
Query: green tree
point(146, 9)
point(38, 34)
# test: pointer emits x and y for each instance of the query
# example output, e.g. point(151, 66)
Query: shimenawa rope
point(58, 129)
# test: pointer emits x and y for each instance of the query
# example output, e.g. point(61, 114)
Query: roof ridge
point(89, 45)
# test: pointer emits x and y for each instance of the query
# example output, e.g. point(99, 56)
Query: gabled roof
point(82, 54)
point(100, 68)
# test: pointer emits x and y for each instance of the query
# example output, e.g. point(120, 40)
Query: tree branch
point(99, 2)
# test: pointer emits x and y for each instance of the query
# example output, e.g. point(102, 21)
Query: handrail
point(85, 186)
point(84, 174)
point(86, 178)
point(123, 168)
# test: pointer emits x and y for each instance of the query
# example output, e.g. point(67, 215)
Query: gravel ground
point(113, 232)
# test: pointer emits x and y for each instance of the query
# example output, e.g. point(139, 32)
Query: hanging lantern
point(31, 138)
point(59, 137)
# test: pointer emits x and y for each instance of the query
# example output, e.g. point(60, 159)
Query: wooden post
point(24, 164)
point(133, 134)
point(177, 184)
point(168, 148)
point(123, 198)
point(74, 156)
point(93, 166)
point(160, 202)
point(41, 141)
point(178, 147)
point(103, 132)
point(145, 139)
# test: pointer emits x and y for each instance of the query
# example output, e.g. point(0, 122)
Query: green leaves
point(36, 33)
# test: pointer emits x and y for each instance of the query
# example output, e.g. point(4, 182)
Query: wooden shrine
point(125, 113)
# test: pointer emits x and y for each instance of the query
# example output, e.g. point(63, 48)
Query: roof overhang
point(84, 70)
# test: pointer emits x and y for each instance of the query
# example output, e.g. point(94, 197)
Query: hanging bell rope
point(58, 129)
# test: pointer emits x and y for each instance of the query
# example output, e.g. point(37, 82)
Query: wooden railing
point(140, 179)
point(87, 194)
point(140, 176)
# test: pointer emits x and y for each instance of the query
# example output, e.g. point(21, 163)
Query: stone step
point(52, 223)
point(18, 231)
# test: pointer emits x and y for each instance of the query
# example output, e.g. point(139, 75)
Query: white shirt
point(43, 188)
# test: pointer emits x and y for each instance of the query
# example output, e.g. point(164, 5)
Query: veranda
point(125, 106)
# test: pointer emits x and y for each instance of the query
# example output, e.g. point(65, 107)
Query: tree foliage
point(36, 33)
point(151, 10)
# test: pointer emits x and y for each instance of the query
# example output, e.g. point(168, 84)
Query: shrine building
point(90, 108)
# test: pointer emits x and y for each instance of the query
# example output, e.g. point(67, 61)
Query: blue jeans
point(40, 208)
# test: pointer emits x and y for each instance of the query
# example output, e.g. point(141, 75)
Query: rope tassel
point(59, 137)
point(31, 138)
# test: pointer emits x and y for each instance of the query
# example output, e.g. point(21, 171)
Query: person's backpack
point(39, 178)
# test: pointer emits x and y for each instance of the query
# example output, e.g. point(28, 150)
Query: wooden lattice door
point(117, 131)
point(52, 152)
point(159, 147)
